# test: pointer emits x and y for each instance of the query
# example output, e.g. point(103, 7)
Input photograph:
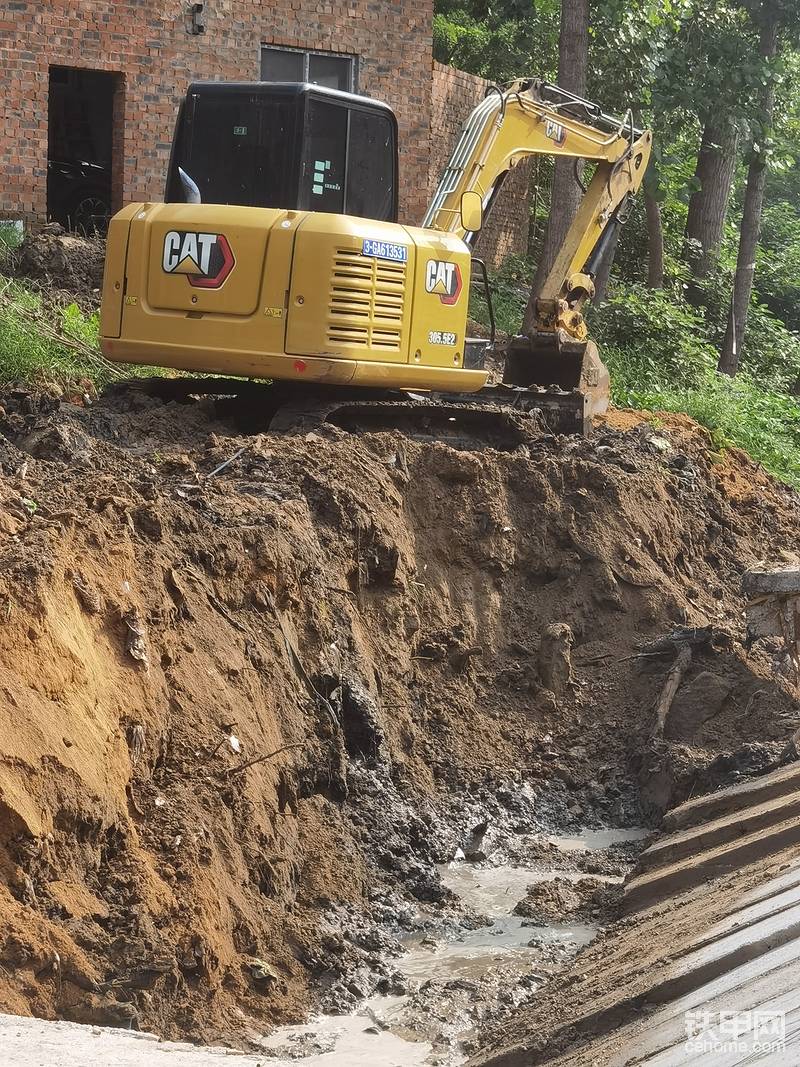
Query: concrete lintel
point(782, 581)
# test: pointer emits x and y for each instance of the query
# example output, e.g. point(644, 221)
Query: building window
point(320, 68)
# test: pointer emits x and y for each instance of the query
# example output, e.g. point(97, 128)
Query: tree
point(708, 206)
point(573, 62)
point(655, 239)
point(769, 17)
point(703, 82)
point(497, 40)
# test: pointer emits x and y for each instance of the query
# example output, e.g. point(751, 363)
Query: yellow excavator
point(277, 253)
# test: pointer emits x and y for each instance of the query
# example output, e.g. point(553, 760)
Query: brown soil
point(738, 477)
point(560, 899)
point(68, 267)
point(243, 703)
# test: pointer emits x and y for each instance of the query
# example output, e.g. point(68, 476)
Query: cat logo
point(555, 131)
point(443, 279)
point(205, 258)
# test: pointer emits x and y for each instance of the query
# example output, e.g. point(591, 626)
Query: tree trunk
point(655, 241)
point(708, 206)
point(751, 214)
point(573, 61)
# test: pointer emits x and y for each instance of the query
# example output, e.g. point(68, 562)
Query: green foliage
point(510, 286)
point(10, 238)
point(778, 265)
point(81, 326)
point(497, 41)
point(45, 342)
point(30, 350)
point(739, 411)
point(651, 335)
point(654, 336)
point(661, 357)
point(771, 352)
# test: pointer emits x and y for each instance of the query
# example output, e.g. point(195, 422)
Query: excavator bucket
point(569, 380)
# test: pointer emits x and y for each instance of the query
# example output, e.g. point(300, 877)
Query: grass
point(42, 342)
point(10, 238)
point(738, 411)
point(46, 341)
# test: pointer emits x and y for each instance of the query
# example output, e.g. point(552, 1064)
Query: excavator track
point(501, 417)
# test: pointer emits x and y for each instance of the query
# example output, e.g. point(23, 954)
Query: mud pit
point(477, 964)
point(259, 689)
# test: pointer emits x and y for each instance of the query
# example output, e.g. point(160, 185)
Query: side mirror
point(471, 211)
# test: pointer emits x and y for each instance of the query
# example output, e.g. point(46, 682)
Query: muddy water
point(345, 1041)
point(492, 891)
point(596, 839)
point(392, 1031)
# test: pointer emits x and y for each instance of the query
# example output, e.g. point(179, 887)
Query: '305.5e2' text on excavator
point(277, 254)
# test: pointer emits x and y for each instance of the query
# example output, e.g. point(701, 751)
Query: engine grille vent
point(367, 296)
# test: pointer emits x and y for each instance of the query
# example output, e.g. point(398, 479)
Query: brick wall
point(147, 43)
point(455, 94)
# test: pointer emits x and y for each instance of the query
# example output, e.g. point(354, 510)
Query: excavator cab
point(285, 145)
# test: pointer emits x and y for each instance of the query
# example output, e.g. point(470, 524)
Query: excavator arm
point(535, 118)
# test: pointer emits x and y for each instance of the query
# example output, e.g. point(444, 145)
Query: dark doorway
point(80, 148)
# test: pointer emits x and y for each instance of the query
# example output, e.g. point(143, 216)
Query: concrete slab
point(766, 581)
point(745, 794)
point(656, 884)
point(723, 830)
point(660, 1039)
point(714, 929)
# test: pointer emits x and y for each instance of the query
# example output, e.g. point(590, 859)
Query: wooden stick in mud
point(263, 759)
point(674, 678)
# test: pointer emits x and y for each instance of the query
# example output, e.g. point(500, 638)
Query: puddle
point(597, 839)
point(378, 1035)
point(344, 1041)
point(494, 891)
point(504, 943)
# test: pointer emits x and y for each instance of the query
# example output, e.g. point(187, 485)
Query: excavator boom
point(532, 118)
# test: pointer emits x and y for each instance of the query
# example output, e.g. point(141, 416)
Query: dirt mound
point(64, 265)
point(257, 685)
point(559, 899)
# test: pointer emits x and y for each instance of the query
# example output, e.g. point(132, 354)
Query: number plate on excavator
point(385, 250)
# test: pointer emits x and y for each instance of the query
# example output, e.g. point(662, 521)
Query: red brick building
point(100, 82)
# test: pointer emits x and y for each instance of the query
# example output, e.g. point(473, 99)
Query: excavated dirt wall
point(256, 685)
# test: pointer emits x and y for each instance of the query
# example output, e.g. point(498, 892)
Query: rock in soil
point(558, 900)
